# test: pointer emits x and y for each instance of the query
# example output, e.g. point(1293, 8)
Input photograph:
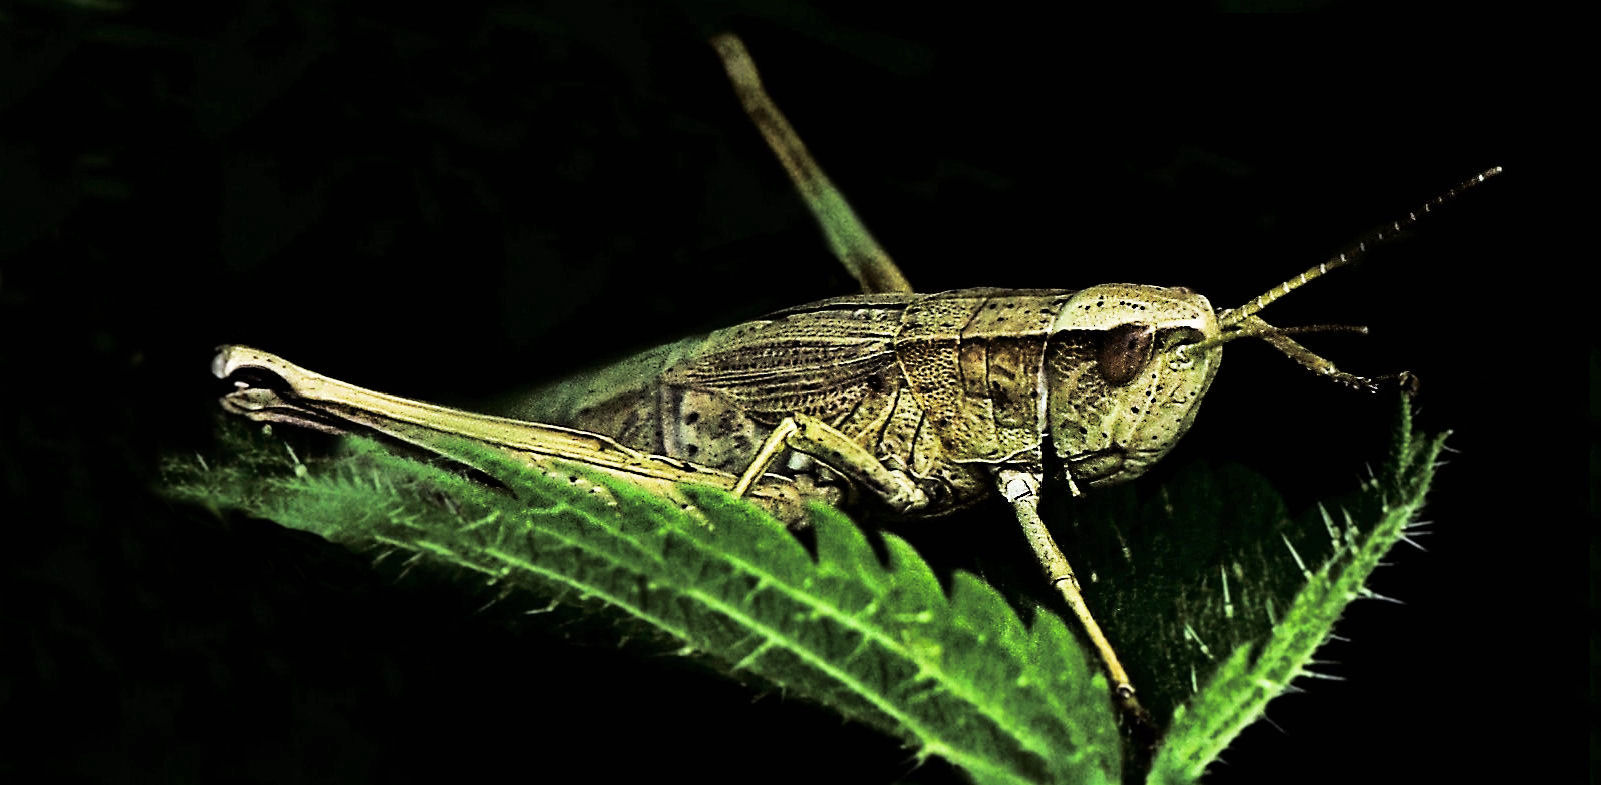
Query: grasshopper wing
point(818, 359)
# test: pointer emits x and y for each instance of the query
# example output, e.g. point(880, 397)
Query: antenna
point(1234, 316)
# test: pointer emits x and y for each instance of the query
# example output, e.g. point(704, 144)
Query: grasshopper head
point(1126, 365)
point(1122, 388)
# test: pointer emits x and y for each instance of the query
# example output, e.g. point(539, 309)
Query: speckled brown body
point(943, 387)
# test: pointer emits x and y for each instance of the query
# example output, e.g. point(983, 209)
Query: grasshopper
point(904, 404)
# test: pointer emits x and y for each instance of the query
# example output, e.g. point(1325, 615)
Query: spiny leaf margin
point(1237, 693)
point(958, 677)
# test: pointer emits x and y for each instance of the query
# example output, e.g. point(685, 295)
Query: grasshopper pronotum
point(914, 404)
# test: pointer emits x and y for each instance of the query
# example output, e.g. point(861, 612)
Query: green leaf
point(959, 677)
point(1358, 530)
point(1217, 597)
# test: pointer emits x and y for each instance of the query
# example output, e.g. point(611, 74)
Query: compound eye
point(1124, 351)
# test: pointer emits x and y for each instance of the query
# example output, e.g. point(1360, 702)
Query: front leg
point(1021, 489)
point(839, 452)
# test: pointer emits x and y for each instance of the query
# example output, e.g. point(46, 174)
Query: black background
point(457, 202)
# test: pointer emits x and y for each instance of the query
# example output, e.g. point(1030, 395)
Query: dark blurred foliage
point(453, 202)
